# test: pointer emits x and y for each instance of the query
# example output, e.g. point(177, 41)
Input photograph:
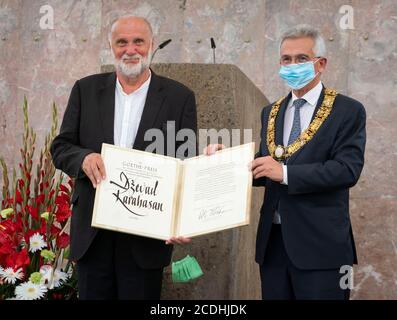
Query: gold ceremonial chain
point(281, 153)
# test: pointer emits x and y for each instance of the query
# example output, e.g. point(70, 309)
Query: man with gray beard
point(118, 108)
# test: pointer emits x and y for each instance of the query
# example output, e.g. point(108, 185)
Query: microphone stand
point(161, 46)
point(213, 46)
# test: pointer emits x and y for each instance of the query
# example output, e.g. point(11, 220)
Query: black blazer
point(314, 206)
point(88, 122)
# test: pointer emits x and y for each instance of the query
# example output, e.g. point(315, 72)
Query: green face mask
point(186, 270)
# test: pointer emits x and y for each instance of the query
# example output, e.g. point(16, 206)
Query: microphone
point(213, 46)
point(166, 42)
point(161, 46)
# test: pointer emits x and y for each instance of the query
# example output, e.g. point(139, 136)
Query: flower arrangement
point(34, 220)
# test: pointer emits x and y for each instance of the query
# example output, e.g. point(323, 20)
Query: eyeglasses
point(300, 58)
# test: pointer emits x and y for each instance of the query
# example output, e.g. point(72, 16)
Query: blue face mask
point(298, 75)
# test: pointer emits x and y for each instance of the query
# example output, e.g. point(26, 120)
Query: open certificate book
point(161, 197)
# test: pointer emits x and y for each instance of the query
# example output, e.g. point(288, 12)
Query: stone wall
point(43, 65)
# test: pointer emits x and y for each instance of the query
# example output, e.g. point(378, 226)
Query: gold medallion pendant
point(281, 153)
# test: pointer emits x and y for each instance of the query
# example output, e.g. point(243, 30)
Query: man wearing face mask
point(118, 108)
point(311, 153)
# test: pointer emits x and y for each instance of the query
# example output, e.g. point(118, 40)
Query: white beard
point(132, 70)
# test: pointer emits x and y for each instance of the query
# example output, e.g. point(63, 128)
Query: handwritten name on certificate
point(159, 197)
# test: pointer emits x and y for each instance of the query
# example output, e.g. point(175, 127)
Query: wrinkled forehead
point(129, 27)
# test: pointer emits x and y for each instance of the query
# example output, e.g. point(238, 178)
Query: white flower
point(30, 291)
point(52, 279)
point(11, 276)
point(36, 242)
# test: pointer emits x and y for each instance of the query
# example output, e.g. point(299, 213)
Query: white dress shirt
point(128, 113)
point(306, 114)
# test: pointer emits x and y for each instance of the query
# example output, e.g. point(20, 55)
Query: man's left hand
point(267, 167)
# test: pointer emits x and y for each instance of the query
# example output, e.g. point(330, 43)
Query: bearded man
point(118, 108)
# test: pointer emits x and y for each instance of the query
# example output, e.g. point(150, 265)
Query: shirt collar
point(144, 85)
point(311, 96)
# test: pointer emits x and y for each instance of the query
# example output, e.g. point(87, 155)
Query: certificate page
point(216, 191)
point(137, 196)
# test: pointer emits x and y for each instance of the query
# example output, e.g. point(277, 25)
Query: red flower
point(62, 199)
point(51, 193)
point(7, 248)
point(40, 199)
point(9, 227)
point(22, 259)
point(55, 230)
point(33, 212)
point(10, 202)
point(71, 184)
point(63, 240)
point(18, 196)
point(21, 183)
point(63, 212)
point(43, 226)
point(18, 260)
point(63, 188)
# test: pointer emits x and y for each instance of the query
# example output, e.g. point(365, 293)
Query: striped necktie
point(296, 125)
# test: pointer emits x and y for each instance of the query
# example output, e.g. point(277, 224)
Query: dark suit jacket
point(88, 122)
point(314, 206)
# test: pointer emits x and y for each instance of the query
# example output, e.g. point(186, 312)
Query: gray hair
point(303, 31)
point(114, 24)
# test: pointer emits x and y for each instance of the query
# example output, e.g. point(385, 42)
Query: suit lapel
point(280, 121)
point(153, 104)
point(106, 107)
